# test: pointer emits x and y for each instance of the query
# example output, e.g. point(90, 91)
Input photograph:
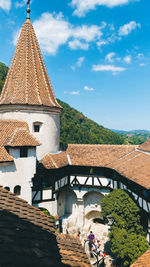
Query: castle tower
point(28, 95)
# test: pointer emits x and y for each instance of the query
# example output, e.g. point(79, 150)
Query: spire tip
point(28, 9)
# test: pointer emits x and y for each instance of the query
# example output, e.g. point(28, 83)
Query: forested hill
point(75, 127)
point(3, 72)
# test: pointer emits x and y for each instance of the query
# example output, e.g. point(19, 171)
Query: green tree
point(126, 235)
point(77, 129)
point(122, 210)
point(127, 246)
point(3, 73)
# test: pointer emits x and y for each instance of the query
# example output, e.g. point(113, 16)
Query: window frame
point(37, 124)
point(18, 192)
point(24, 152)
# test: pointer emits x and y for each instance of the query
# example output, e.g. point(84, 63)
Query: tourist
point(91, 238)
point(94, 246)
point(98, 246)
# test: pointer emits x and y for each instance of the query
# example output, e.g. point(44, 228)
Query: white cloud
point(83, 6)
point(5, 4)
point(75, 93)
point(110, 57)
point(111, 68)
point(142, 64)
point(86, 88)
point(128, 28)
point(21, 3)
point(79, 63)
point(72, 93)
point(128, 59)
point(140, 55)
point(53, 31)
point(76, 44)
point(101, 43)
point(87, 33)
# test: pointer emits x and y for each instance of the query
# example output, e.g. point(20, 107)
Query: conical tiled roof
point(27, 82)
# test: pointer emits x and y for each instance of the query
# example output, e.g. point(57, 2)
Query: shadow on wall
point(8, 168)
point(66, 202)
point(92, 202)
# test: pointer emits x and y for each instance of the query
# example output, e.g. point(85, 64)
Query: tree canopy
point(77, 129)
point(127, 237)
point(127, 246)
point(3, 73)
point(122, 210)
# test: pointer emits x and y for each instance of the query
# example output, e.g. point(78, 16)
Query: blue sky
point(97, 53)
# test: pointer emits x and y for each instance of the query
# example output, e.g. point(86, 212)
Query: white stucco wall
point(19, 173)
point(92, 202)
point(67, 202)
point(51, 206)
point(49, 130)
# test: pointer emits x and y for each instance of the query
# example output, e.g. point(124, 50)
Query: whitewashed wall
point(19, 173)
point(49, 130)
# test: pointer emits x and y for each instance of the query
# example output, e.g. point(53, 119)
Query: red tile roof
point(4, 156)
point(53, 161)
point(28, 238)
point(135, 166)
point(27, 81)
point(145, 146)
point(143, 261)
point(97, 155)
point(14, 133)
point(125, 159)
point(21, 137)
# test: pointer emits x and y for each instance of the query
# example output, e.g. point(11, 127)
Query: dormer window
point(23, 152)
point(36, 127)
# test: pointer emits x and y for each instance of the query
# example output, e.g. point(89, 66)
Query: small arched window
point(17, 190)
point(37, 126)
point(7, 188)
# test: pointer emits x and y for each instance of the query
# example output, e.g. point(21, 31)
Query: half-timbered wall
point(85, 181)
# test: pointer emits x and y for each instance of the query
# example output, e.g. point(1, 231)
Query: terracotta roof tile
point(143, 261)
point(21, 137)
point(145, 146)
point(135, 166)
point(27, 82)
point(97, 155)
point(7, 128)
point(4, 156)
point(53, 161)
point(28, 237)
point(129, 161)
point(72, 252)
point(14, 133)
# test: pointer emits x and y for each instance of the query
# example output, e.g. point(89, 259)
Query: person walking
point(91, 238)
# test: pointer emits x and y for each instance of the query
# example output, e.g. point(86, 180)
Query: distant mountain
point(134, 137)
point(78, 129)
point(131, 132)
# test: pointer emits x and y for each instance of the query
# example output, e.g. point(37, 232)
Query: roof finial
point(28, 9)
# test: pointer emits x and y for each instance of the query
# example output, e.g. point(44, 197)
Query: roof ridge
point(11, 137)
point(117, 160)
point(36, 80)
